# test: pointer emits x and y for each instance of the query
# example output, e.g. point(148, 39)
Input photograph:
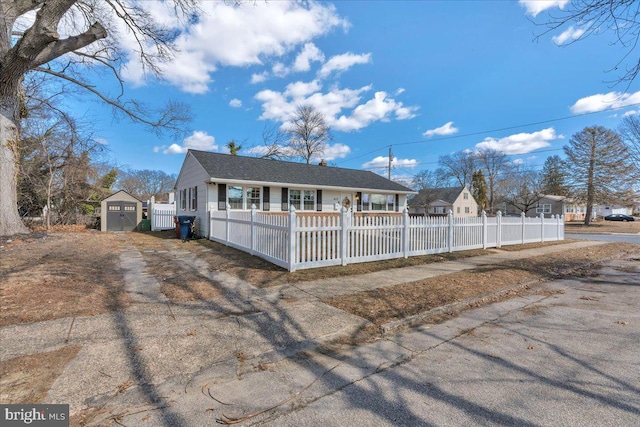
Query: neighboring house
point(604, 210)
point(212, 181)
point(551, 204)
point(438, 201)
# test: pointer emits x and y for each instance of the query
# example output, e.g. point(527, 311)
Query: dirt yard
point(602, 227)
point(76, 272)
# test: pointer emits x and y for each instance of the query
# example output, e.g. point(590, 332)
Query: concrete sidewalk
point(154, 351)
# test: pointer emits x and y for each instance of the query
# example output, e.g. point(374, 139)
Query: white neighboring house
point(604, 210)
point(212, 181)
point(438, 201)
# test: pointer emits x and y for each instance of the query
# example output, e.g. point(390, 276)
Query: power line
point(445, 138)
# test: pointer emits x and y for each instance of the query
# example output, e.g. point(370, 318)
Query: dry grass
point(59, 275)
point(603, 227)
point(391, 303)
point(27, 379)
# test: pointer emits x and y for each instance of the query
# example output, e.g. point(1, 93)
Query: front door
point(122, 216)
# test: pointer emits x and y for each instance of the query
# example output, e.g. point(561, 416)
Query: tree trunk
point(590, 183)
point(10, 221)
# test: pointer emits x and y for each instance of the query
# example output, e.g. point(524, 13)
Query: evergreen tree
point(598, 166)
point(479, 189)
point(553, 176)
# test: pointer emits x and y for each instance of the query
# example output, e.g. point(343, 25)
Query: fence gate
point(122, 216)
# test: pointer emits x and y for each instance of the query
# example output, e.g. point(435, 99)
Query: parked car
point(619, 217)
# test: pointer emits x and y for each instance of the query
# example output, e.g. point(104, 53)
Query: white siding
point(191, 175)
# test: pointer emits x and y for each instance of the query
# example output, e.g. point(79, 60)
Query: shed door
point(122, 216)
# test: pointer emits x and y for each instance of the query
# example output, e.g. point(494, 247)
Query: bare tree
point(593, 17)
point(273, 139)
point(423, 179)
point(92, 28)
point(598, 167)
point(308, 133)
point(459, 167)
point(145, 184)
point(629, 131)
point(521, 188)
point(493, 163)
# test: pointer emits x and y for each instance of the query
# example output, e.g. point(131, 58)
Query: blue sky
point(426, 77)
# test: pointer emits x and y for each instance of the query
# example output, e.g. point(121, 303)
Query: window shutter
point(265, 199)
point(319, 200)
point(222, 197)
point(397, 203)
point(195, 199)
point(285, 199)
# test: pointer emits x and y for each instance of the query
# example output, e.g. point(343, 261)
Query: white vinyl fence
point(298, 241)
point(161, 215)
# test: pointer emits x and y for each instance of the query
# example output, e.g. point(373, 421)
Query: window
point(458, 209)
point(309, 200)
point(465, 196)
point(193, 199)
point(183, 199)
point(294, 198)
point(390, 202)
point(365, 201)
point(253, 197)
point(544, 209)
point(114, 207)
point(235, 197)
point(467, 209)
point(378, 202)
point(439, 210)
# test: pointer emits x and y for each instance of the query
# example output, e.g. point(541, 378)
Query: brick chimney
point(322, 163)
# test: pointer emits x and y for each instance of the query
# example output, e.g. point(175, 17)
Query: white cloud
point(101, 141)
point(336, 151)
point(342, 108)
point(198, 140)
point(400, 91)
point(380, 108)
point(310, 53)
point(235, 103)
point(568, 35)
point(534, 7)
point(382, 162)
point(259, 78)
point(279, 69)
point(343, 62)
point(234, 35)
point(605, 101)
point(446, 129)
point(520, 143)
point(631, 113)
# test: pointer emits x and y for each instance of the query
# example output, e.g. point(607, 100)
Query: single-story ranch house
point(212, 181)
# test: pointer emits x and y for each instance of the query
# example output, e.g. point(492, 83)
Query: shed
point(120, 212)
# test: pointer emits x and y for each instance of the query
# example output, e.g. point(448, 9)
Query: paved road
point(628, 238)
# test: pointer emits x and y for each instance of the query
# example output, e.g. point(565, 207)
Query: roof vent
point(322, 163)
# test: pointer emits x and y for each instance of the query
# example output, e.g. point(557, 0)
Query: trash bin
point(185, 226)
point(145, 225)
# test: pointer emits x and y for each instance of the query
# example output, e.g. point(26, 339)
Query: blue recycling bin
point(185, 222)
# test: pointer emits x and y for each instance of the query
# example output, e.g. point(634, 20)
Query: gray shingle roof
point(228, 167)
point(429, 195)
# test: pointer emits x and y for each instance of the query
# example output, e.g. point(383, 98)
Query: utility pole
point(390, 161)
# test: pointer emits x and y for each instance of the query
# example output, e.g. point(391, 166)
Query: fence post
point(559, 227)
point(498, 229)
point(254, 210)
point(524, 225)
point(344, 236)
point(542, 227)
point(226, 224)
point(150, 204)
point(292, 239)
point(450, 234)
point(483, 215)
point(405, 232)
